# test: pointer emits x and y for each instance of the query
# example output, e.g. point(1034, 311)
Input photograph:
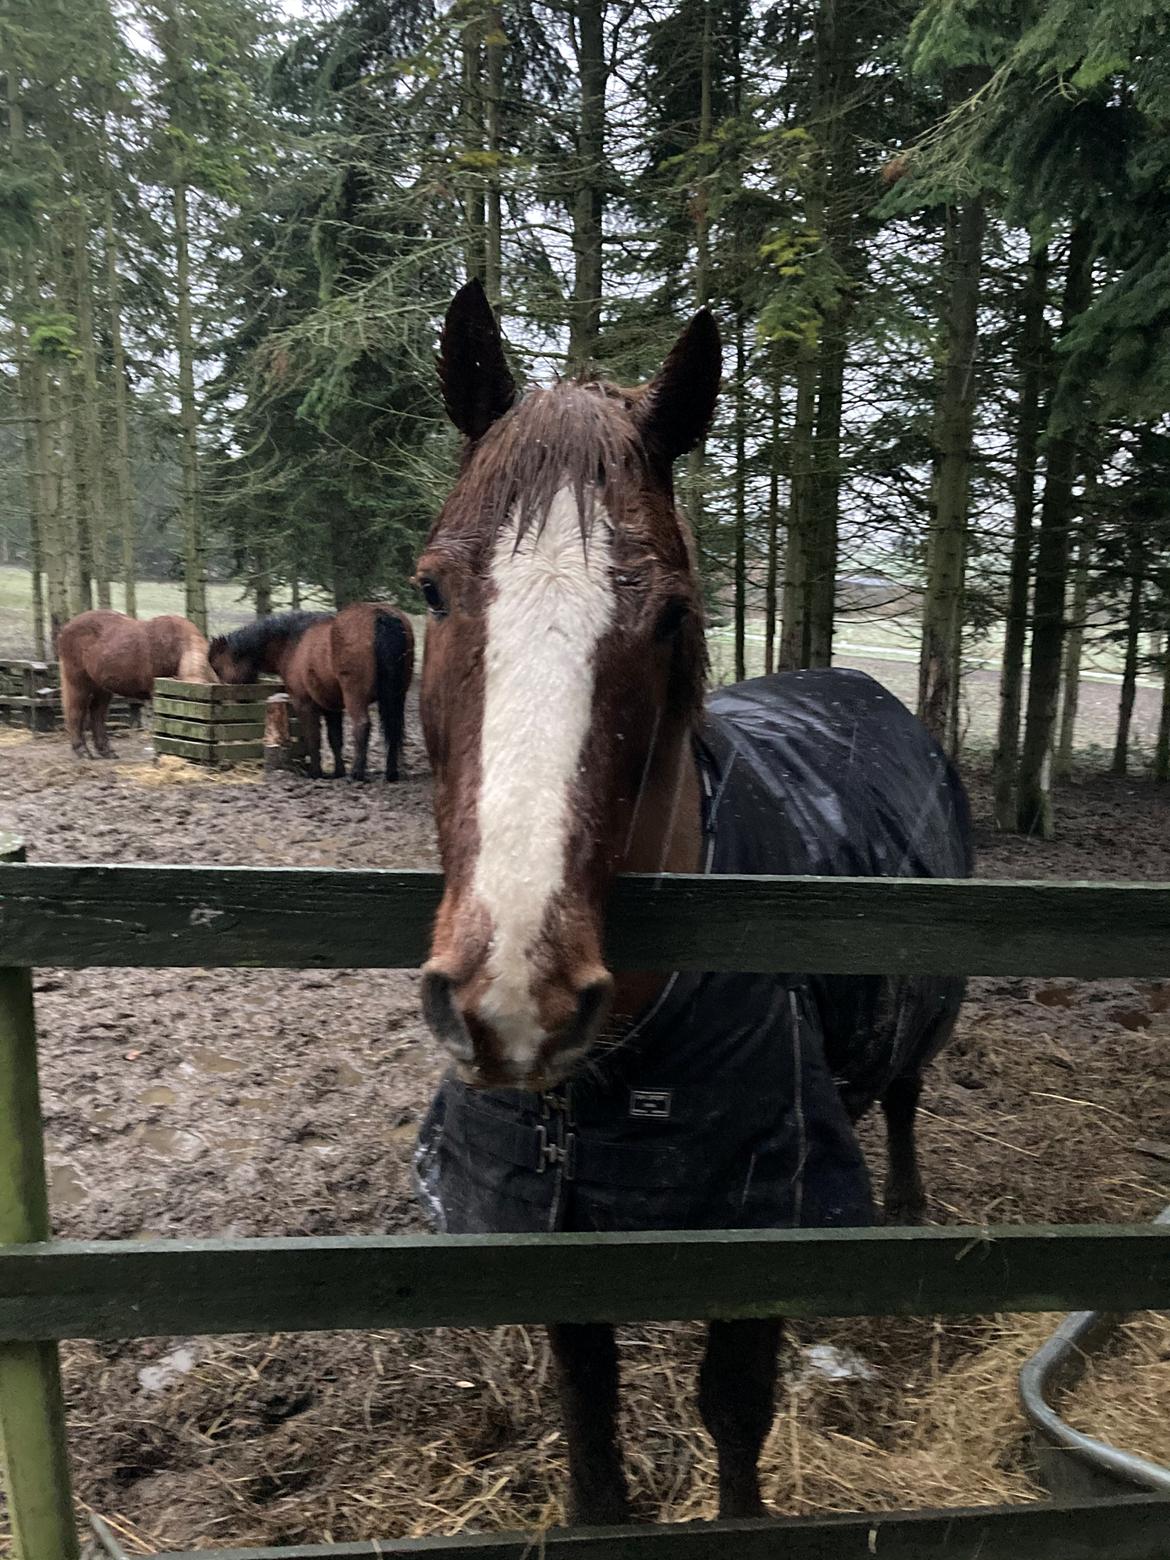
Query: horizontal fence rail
point(294, 917)
point(137, 1289)
point(98, 916)
point(1133, 1529)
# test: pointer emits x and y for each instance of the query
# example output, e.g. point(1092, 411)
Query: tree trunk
point(1162, 751)
point(942, 611)
point(773, 522)
point(90, 444)
point(1133, 633)
point(831, 208)
point(123, 508)
point(53, 536)
point(1075, 641)
point(34, 487)
point(471, 114)
point(794, 620)
point(261, 582)
point(194, 542)
point(825, 493)
point(28, 373)
point(493, 250)
point(1030, 370)
point(589, 200)
point(740, 499)
point(1034, 786)
point(696, 458)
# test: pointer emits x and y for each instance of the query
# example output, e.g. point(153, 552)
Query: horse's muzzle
point(482, 1059)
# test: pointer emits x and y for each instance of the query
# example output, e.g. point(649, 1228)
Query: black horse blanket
point(729, 1104)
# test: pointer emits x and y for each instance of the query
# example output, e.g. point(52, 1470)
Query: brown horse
point(103, 654)
point(564, 714)
point(331, 665)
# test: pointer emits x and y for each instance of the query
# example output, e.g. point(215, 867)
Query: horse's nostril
point(592, 1007)
point(442, 1014)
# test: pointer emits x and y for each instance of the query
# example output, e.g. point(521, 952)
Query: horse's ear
point(676, 408)
point(477, 385)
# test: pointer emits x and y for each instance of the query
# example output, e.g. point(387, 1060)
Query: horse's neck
point(666, 836)
point(278, 653)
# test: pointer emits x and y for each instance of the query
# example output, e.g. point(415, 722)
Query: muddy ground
point(284, 1103)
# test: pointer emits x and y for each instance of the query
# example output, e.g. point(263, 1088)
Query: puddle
point(103, 1116)
point(349, 1075)
point(1055, 996)
point(179, 1362)
point(1132, 1019)
point(402, 1134)
point(170, 1142)
point(159, 1095)
point(205, 1060)
point(256, 1104)
point(66, 1190)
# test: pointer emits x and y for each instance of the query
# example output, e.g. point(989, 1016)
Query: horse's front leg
point(587, 1366)
point(737, 1401)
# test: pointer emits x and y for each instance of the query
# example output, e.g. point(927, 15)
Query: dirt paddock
point(280, 1103)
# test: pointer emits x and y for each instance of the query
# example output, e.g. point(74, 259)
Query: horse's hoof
point(904, 1214)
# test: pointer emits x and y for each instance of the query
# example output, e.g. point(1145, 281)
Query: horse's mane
point(576, 434)
point(251, 639)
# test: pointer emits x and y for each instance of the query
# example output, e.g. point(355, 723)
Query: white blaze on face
point(553, 603)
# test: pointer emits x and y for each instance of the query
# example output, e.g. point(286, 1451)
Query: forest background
point(934, 236)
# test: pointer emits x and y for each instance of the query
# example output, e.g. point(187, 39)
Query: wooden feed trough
point(210, 723)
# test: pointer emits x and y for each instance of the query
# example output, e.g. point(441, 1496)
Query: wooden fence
point(239, 917)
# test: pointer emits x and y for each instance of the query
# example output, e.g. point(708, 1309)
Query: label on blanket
point(651, 1102)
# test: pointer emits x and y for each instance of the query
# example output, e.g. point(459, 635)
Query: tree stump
point(279, 744)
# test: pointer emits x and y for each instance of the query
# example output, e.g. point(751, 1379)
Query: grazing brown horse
point(331, 665)
point(103, 654)
point(564, 714)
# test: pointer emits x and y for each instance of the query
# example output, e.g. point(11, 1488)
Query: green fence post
point(32, 1410)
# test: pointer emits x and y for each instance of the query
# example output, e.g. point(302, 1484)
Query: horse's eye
point(433, 597)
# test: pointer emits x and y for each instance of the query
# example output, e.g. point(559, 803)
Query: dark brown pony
point(563, 709)
point(103, 654)
point(330, 666)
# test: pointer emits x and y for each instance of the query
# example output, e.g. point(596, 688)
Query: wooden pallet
point(210, 723)
point(30, 695)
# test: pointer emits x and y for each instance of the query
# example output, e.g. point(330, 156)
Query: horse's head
point(564, 664)
point(229, 665)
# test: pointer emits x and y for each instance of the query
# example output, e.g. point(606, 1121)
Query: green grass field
point(226, 605)
point(886, 647)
